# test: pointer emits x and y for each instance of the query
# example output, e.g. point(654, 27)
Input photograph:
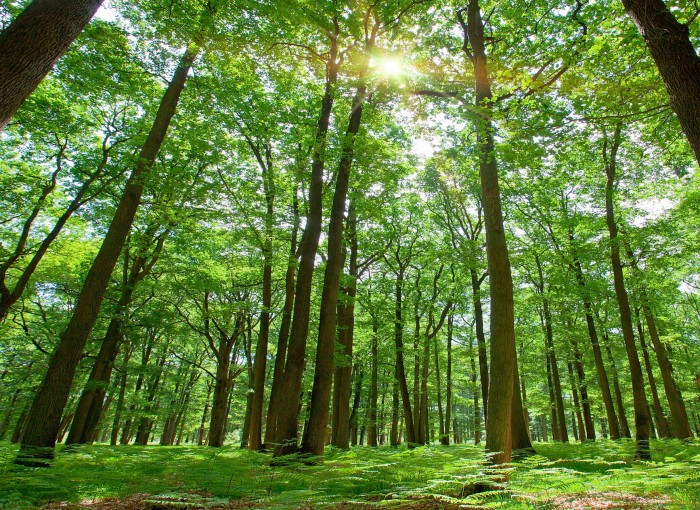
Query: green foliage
point(191, 477)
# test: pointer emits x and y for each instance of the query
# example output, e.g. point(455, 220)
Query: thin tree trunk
point(288, 414)
point(577, 406)
point(503, 356)
point(680, 425)
point(283, 337)
point(583, 389)
point(372, 430)
point(659, 418)
point(120, 399)
point(621, 414)
point(259, 367)
point(595, 344)
point(641, 409)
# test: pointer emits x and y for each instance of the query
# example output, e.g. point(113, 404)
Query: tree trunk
point(621, 414)
point(260, 364)
point(680, 425)
point(33, 42)
point(328, 319)
point(679, 66)
point(288, 415)
point(661, 423)
point(448, 389)
point(400, 367)
point(372, 429)
point(641, 408)
point(503, 355)
point(577, 406)
point(480, 338)
point(583, 388)
point(346, 332)
point(120, 399)
point(50, 400)
point(283, 337)
point(595, 344)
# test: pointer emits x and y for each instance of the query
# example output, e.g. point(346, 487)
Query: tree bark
point(676, 59)
point(33, 43)
point(680, 425)
point(503, 355)
point(373, 429)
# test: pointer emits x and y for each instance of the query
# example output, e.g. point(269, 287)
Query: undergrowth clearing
point(594, 475)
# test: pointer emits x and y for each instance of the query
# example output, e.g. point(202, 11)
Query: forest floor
point(593, 475)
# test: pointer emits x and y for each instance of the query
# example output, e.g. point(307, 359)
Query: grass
point(557, 476)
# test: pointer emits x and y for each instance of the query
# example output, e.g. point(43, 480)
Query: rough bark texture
point(50, 400)
point(678, 63)
point(33, 42)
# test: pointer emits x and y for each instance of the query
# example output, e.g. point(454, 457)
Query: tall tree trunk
point(661, 423)
point(328, 319)
point(577, 405)
point(621, 414)
point(50, 400)
point(552, 366)
point(675, 56)
point(33, 42)
point(400, 367)
point(116, 424)
point(583, 389)
point(438, 384)
point(288, 414)
point(503, 355)
point(346, 332)
point(680, 425)
point(554, 415)
point(259, 367)
point(480, 338)
point(477, 412)
point(283, 337)
point(641, 409)
point(358, 375)
point(448, 389)
point(394, 430)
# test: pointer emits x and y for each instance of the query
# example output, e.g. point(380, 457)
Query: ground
point(595, 475)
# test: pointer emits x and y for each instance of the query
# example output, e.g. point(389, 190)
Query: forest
point(349, 254)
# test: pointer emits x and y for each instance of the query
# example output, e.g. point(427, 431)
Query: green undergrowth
point(382, 477)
